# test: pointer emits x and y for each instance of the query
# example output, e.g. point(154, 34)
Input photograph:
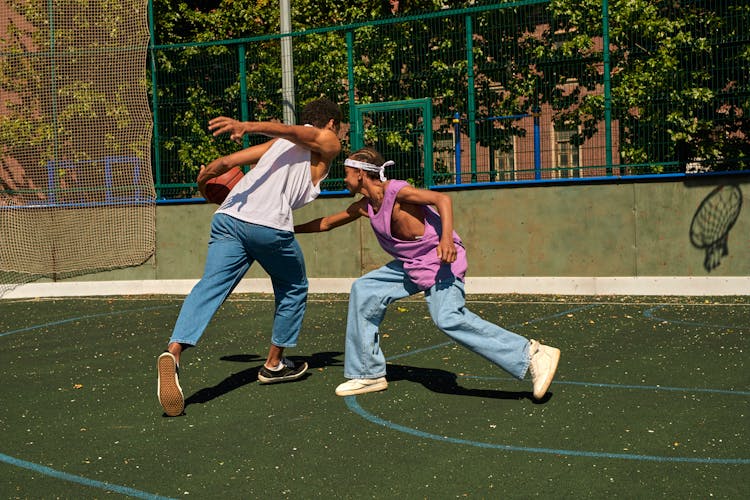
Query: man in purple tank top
point(429, 257)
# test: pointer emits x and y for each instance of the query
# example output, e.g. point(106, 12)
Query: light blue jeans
point(232, 248)
point(370, 296)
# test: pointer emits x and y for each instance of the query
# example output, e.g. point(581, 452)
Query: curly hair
point(318, 112)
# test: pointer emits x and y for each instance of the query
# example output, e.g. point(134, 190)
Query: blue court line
point(77, 479)
point(649, 313)
point(625, 386)
point(79, 318)
point(64, 475)
point(351, 402)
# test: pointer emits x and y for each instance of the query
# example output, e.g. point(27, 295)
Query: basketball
point(218, 188)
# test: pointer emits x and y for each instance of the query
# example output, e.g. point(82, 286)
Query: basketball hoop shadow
point(715, 216)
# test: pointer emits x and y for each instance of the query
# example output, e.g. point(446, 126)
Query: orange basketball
point(218, 188)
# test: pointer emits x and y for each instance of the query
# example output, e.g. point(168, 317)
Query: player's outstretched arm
point(320, 140)
point(352, 213)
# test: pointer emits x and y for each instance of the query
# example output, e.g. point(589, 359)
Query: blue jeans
point(232, 248)
point(370, 296)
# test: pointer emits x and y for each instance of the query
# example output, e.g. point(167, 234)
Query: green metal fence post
point(353, 122)
point(244, 113)
point(472, 112)
point(607, 87)
point(154, 101)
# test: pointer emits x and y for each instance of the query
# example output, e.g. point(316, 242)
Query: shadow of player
point(445, 382)
point(250, 375)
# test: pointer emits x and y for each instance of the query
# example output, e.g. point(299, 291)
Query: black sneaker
point(289, 372)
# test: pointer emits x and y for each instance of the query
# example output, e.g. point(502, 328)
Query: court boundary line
point(643, 285)
point(72, 478)
point(354, 406)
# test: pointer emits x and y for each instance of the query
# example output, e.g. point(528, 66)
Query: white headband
point(370, 167)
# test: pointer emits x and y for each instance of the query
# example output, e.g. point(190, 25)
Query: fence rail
point(519, 92)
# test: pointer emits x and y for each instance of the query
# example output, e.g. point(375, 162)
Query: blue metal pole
point(537, 147)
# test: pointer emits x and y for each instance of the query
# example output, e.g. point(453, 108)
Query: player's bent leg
point(226, 264)
point(508, 350)
point(281, 256)
point(368, 300)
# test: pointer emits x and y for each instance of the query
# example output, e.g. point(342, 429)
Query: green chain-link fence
point(529, 91)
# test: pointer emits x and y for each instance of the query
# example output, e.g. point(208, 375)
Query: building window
point(504, 164)
point(566, 154)
point(444, 157)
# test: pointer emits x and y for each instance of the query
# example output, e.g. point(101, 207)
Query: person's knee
point(298, 289)
point(447, 320)
point(358, 289)
point(365, 298)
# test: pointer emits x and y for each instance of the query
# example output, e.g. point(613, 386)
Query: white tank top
point(280, 183)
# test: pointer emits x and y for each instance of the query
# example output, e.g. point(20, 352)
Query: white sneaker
point(543, 365)
point(361, 386)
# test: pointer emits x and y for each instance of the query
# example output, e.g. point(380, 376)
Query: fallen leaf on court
point(401, 309)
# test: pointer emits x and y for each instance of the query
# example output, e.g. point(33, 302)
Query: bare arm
point(321, 140)
point(446, 249)
point(247, 156)
point(352, 213)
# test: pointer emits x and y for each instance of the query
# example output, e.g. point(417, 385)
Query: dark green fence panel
point(529, 91)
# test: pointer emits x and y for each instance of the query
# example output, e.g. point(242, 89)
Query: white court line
point(645, 285)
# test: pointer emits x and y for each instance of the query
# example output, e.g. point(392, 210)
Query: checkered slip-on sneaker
point(168, 385)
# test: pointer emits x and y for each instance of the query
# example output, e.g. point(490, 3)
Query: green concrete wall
point(629, 229)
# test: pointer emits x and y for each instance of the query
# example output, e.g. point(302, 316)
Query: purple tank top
point(420, 259)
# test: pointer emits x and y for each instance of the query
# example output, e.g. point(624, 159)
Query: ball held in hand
point(217, 189)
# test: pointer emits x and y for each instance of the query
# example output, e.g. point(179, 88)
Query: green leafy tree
point(57, 66)
point(679, 71)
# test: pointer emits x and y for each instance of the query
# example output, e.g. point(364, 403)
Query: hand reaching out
point(223, 124)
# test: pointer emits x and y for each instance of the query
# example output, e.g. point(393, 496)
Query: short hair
point(368, 155)
point(320, 111)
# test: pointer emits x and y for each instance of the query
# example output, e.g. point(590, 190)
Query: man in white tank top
point(255, 224)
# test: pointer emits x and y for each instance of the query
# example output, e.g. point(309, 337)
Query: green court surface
point(651, 400)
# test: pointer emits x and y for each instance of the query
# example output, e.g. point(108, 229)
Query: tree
point(58, 66)
point(679, 83)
